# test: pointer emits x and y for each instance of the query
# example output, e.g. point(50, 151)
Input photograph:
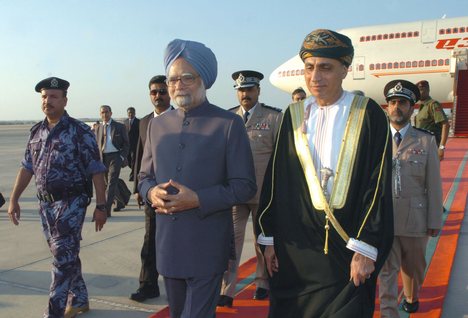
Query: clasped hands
point(172, 197)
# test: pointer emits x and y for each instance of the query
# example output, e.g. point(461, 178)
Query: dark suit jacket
point(133, 132)
point(119, 138)
point(207, 150)
point(141, 145)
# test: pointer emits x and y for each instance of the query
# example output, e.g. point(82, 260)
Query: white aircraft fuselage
point(414, 51)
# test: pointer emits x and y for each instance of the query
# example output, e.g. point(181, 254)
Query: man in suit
point(417, 201)
point(112, 139)
point(148, 274)
point(132, 125)
point(262, 123)
point(196, 165)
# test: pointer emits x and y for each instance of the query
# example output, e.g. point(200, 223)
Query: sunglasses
point(161, 91)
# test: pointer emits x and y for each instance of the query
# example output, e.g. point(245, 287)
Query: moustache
point(247, 98)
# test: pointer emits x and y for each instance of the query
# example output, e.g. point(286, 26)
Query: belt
point(57, 196)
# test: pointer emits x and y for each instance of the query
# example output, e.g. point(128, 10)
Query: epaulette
point(234, 107)
point(273, 108)
point(35, 127)
point(424, 130)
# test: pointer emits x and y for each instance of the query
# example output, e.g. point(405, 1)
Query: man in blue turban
point(196, 165)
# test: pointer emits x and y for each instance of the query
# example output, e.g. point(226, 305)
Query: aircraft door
point(359, 67)
point(428, 31)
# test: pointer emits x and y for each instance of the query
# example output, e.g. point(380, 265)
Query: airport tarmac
point(111, 258)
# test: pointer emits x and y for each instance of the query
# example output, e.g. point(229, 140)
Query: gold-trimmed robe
point(287, 214)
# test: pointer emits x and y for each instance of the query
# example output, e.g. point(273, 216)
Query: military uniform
point(430, 116)
point(262, 127)
point(62, 160)
point(417, 207)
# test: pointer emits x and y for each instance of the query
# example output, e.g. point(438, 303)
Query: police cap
point(246, 78)
point(52, 83)
point(402, 88)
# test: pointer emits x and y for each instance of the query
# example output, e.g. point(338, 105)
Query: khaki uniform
point(430, 116)
point(262, 127)
point(417, 207)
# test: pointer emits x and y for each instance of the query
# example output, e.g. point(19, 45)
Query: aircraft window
point(402, 64)
point(361, 67)
point(284, 73)
point(442, 31)
point(434, 62)
point(368, 38)
point(390, 66)
point(448, 31)
point(414, 64)
point(391, 36)
point(416, 33)
point(362, 39)
point(287, 73)
point(408, 64)
point(455, 30)
point(302, 72)
point(397, 35)
point(403, 35)
point(421, 63)
point(385, 36)
point(379, 37)
point(427, 63)
point(462, 29)
point(395, 65)
point(371, 67)
point(410, 34)
point(440, 62)
point(377, 66)
point(298, 72)
point(384, 66)
point(447, 62)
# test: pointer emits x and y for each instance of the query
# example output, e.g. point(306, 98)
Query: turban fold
point(197, 54)
point(329, 44)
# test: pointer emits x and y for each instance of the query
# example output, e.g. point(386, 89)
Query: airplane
point(433, 50)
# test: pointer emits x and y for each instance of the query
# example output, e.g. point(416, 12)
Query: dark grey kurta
point(207, 150)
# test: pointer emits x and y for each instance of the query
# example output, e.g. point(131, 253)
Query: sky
point(109, 49)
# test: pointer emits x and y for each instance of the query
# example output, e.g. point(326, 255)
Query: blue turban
point(197, 54)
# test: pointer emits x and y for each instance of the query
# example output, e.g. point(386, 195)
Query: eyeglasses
point(161, 91)
point(186, 79)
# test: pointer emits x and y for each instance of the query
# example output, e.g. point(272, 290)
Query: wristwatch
point(101, 207)
point(441, 147)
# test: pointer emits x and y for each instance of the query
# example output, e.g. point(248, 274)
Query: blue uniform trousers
point(62, 222)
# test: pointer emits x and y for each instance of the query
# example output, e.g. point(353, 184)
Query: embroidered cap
point(246, 78)
point(52, 83)
point(402, 88)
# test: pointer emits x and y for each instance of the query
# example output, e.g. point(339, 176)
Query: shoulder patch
point(81, 125)
point(272, 108)
point(424, 130)
point(235, 107)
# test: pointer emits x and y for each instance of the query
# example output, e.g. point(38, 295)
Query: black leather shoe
point(142, 295)
point(225, 301)
point(118, 208)
point(410, 307)
point(260, 294)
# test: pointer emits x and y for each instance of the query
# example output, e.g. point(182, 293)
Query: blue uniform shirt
point(62, 157)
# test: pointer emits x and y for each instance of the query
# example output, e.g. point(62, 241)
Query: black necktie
point(104, 137)
point(246, 116)
point(397, 138)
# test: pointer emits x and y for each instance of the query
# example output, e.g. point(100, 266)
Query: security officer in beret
point(262, 124)
point(432, 117)
point(417, 200)
point(63, 156)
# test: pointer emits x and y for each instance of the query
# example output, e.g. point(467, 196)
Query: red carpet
point(441, 250)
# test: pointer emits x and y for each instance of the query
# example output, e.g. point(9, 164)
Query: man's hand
point(99, 218)
point(433, 232)
point(441, 154)
point(361, 269)
point(271, 260)
point(139, 200)
point(14, 212)
point(172, 197)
